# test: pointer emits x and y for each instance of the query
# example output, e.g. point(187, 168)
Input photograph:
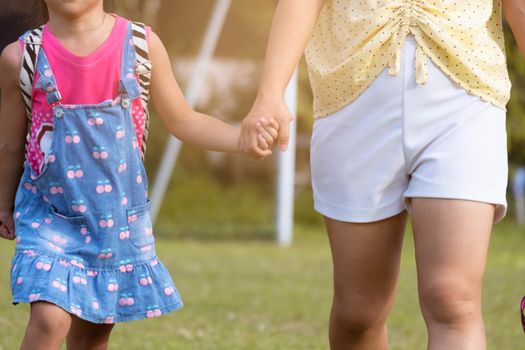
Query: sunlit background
point(216, 226)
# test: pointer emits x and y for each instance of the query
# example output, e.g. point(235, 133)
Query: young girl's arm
point(13, 126)
point(515, 15)
point(292, 27)
point(180, 119)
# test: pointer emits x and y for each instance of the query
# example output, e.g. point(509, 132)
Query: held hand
point(268, 133)
point(272, 109)
point(7, 226)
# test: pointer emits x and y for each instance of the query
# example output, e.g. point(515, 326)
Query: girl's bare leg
point(47, 328)
point(85, 335)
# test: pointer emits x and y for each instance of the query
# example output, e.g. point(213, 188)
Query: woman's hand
point(292, 27)
point(268, 118)
point(7, 225)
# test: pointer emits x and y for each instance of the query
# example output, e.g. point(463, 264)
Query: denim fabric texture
point(84, 234)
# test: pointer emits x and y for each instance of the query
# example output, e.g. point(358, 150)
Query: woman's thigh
point(451, 241)
point(366, 259)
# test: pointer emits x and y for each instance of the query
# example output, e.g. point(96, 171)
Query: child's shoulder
point(10, 62)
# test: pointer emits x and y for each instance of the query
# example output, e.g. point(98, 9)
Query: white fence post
point(286, 173)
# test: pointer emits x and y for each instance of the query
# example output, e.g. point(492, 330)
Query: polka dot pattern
point(355, 40)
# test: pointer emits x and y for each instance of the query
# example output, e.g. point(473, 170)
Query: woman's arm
point(13, 126)
point(180, 119)
point(292, 27)
point(515, 14)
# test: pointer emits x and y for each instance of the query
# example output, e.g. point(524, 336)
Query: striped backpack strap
point(32, 44)
point(143, 70)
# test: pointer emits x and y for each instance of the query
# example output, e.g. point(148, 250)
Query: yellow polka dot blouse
point(356, 39)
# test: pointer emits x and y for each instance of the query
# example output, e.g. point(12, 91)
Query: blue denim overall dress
point(84, 234)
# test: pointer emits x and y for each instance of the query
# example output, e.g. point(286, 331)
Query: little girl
point(85, 256)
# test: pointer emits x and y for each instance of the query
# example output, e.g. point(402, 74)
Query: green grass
point(253, 295)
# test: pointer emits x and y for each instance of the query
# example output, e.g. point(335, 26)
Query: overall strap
point(32, 44)
point(128, 86)
point(143, 71)
point(46, 80)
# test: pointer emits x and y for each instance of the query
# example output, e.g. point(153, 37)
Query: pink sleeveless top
point(90, 79)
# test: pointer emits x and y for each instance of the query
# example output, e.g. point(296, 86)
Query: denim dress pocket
point(63, 233)
point(141, 227)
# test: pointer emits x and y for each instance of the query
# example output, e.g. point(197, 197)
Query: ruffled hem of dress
point(140, 291)
point(92, 319)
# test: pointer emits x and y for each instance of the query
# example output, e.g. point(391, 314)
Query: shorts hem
point(359, 215)
point(496, 200)
point(384, 212)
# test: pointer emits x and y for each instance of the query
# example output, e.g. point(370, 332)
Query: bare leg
point(366, 265)
point(451, 239)
point(85, 335)
point(47, 328)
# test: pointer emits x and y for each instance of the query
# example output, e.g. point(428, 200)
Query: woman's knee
point(450, 302)
point(356, 315)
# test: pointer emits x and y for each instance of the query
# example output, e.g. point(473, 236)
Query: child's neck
point(84, 33)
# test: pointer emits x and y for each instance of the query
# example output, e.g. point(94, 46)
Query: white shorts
point(400, 140)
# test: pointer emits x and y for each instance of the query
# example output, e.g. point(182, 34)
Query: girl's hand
point(268, 133)
point(7, 225)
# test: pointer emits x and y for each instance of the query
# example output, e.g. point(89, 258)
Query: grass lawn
point(253, 295)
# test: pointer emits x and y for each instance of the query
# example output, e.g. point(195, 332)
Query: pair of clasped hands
point(267, 124)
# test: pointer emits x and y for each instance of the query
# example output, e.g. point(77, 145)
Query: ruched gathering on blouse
point(355, 40)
